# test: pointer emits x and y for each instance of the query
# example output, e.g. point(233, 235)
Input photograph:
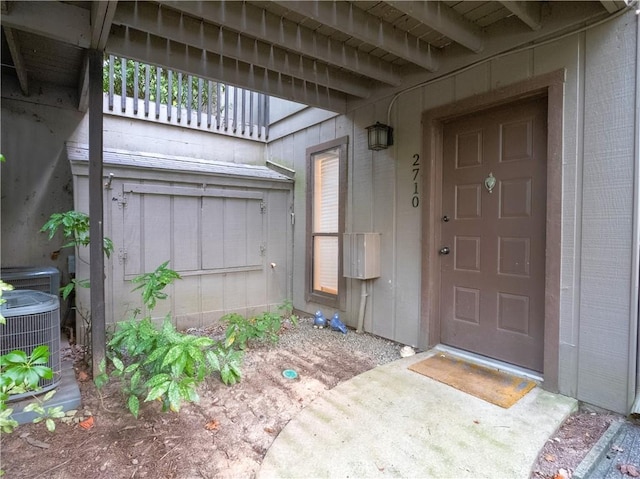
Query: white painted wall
point(139, 135)
point(597, 212)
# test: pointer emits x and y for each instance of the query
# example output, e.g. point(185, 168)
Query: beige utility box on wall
point(361, 255)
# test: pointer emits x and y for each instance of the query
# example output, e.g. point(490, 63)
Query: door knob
point(444, 250)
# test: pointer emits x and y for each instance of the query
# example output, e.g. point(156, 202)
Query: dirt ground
point(564, 451)
point(227, 433)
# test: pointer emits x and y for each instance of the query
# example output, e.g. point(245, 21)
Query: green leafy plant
point(20, 373)
point(241, 330)
point(153, 283)
point(75, 228)
point(286, 311)
point(45, 414)
point(163, 364)
point(4, 287)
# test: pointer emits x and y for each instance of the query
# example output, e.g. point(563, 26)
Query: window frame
point(337, 301)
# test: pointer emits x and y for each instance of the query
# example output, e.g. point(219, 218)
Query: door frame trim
point(551, 86)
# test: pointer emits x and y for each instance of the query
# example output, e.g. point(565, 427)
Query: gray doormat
point(618, 447)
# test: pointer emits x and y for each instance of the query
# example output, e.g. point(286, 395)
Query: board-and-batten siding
point(597, 209)
point(224, 227)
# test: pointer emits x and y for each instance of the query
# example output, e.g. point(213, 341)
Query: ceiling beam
point(528, 12)
point(83, 85)
point(54, 20)
point(170, 24)
point(258, 23)
point(347, 18)
point(444, 20)
point(613, 6)
point(18, 61)
point(141, 46)
point(102, 13)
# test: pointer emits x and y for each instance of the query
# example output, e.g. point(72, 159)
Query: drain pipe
point(363, 305)
point(634, 375)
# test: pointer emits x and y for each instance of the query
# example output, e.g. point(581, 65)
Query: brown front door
point(493, 229)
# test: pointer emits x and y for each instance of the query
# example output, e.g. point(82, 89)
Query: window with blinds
point(327, 176)
point(326, 201)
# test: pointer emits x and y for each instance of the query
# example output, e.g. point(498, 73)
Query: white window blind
point(326, 204)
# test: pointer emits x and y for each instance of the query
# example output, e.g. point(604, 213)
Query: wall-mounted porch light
point(380, 136)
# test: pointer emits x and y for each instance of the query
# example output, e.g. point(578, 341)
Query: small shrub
point(286, 311)
point(163, 364)
point(241, 330)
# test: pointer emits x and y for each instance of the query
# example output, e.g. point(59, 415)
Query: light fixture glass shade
point(379, 136)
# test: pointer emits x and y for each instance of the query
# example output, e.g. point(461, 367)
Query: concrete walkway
point(393, 422)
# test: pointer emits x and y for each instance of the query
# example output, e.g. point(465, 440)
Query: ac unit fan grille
point(36, 283)
point(40, 278)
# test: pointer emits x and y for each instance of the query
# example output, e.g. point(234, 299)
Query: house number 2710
point(415, 198)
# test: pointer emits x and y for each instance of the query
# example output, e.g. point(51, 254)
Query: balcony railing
point(158, 94)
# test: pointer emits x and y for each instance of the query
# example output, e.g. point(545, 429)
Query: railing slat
point(251, 95)
point(170, 94)
point(189, 98)
point(111, 81)
point(136, 72)
point(265, 120)
point(158, 77)
point(226, 108)
point(218, 93)
point(199, 101)
point(244, 111)
point(260, 111)
point(209, 102)
point(238, 112)
point(235, 109)
point(179, 99)
point(146, 89)
point(123, 84)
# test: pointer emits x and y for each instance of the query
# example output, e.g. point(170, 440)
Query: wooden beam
point(54, 20)
point(613, 6)
point(265, 26)
point(96, 233)
point(347, 18)
point(172, 55)
point(170, 24)
point(102, 13)
point(83, 85)
point(18, 61)
point(444, 20)
point(527, 12)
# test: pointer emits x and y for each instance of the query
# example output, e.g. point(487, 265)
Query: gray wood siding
point(596, 353)
point(607, 216)
point(220, 233)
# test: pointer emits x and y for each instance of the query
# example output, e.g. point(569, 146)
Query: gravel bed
point(379, 349)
